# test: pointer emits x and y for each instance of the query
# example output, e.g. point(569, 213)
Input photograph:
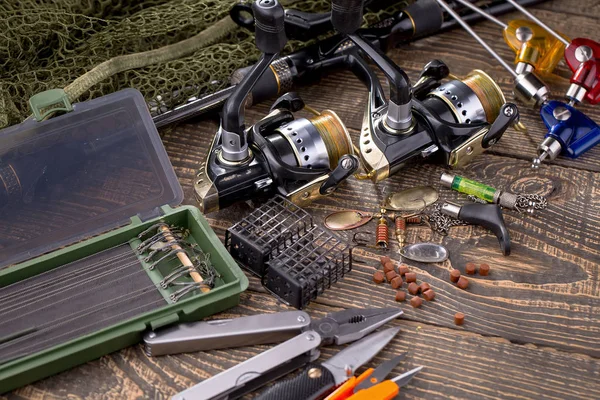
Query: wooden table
point(532, 326)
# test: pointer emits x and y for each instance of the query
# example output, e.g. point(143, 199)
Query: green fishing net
point(47, 44)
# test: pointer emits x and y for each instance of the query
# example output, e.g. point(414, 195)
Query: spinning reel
point(448, 122)
point(539, 48)
point(299, 158)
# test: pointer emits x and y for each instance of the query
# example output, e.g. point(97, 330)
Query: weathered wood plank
point(551, 277)
point(457, 364)
point(547, 292)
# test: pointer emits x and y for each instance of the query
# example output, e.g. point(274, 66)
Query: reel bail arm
point(270, 40)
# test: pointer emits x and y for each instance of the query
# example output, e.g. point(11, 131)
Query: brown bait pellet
point(454, 275)
point(429, 295)
point(459, 318)
point(384, 260)
point(390, 275)
point(389, 266)
point(416, 302)
point(470, 268)
point(410, 277)
point(413, 288)
point(397, 282)
point(403, 269)
point(484, 269)
point(416, 220)
point(400, 295)
point(378, 277)
point(462, 283)
point(424, 287)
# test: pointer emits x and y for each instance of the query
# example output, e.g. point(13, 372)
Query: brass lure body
point(346, 220)
point(400, 223)
point(413, 199)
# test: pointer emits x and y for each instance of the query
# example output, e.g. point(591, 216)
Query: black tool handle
point(489, 216)
point(312, 383)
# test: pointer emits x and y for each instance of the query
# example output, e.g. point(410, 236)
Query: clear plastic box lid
point(81, 174)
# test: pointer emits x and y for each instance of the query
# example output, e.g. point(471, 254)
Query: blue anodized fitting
point(570, 132)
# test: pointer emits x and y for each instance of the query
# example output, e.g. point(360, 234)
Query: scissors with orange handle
point(372, 385)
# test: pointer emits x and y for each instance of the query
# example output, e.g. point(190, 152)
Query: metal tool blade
point(350, 325)
point(234, 379)
point(403, 379)
point(226, 333)
point(380, 373)
point(345, 363)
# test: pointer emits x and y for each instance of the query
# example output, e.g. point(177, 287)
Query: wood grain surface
point(532, 328)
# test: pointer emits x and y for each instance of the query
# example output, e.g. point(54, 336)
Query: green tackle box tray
point(58, 210)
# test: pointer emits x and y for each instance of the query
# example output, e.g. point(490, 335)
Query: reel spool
point(475, 98)
point(317, 142)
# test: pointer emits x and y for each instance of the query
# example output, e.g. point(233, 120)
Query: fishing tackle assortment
point(570, 132)
point(108, 260)
point(302, 159)
point(405, 207)
point(95, 254)
point(295, 259)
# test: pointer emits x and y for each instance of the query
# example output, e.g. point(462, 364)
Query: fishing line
point(89, 311)
point(8, 356)
point(90, 266)
point(59, 283)
point(76, 285)
point(81, 283)
point(70, 297)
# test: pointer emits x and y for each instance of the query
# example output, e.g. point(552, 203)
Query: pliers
point(318, 380)
point(372, 385)
point(301, 347)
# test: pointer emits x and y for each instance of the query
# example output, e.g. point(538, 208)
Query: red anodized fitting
point(583, 58)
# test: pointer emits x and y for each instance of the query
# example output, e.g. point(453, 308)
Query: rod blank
point(471, 32)
point(538, 21)
point(482, 13)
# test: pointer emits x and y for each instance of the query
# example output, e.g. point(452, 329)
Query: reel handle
point(269, 26)
point(346, 15)
point(347, 165)
point(270, 39)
